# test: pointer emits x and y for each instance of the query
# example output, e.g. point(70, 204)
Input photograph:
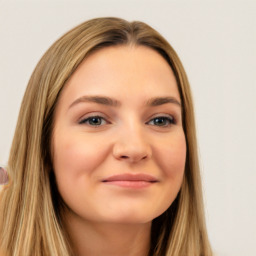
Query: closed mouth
point(140, 177)
point(131, 181)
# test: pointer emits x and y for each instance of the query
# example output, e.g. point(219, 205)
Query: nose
point(132, 146)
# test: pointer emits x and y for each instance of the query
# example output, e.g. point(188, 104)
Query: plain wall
point(216, 42)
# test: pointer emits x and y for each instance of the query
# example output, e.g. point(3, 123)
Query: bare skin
point(97, 239)
point(119, 149)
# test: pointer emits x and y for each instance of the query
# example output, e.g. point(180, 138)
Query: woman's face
point(119, 147)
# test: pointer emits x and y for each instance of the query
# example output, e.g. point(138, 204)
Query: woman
point(104, 157)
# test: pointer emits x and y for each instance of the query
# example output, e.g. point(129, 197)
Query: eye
point(94, 121)
point(163, 121)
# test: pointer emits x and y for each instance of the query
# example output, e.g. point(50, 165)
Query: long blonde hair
point(30, 208)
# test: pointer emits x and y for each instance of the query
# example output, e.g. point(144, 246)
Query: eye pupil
point(160, 121)
point(95, 121)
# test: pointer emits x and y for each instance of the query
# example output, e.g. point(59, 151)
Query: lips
point(131, 180)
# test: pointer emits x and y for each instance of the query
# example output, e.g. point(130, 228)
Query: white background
point(216, 41)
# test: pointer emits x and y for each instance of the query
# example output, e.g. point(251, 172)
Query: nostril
point(133, 158)
point(131, 152)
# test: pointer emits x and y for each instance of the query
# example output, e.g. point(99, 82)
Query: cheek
point(172, 157)
point(76, 157)
point(76, 161)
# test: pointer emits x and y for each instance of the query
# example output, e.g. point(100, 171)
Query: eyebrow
point(157, 101)
point(162, 100)
point(97, 99)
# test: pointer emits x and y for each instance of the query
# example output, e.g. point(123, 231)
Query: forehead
point(123, 71)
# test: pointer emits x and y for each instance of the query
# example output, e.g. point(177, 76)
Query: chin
point(130, 217)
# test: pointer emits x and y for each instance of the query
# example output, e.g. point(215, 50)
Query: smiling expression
point(119, 147)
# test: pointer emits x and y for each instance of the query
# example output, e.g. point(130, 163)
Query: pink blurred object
point(3, 176)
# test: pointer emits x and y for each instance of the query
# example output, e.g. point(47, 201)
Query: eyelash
point(169, 119)
point(166, 121)
point(90, 118)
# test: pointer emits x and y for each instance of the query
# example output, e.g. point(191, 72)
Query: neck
point(91, 238)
